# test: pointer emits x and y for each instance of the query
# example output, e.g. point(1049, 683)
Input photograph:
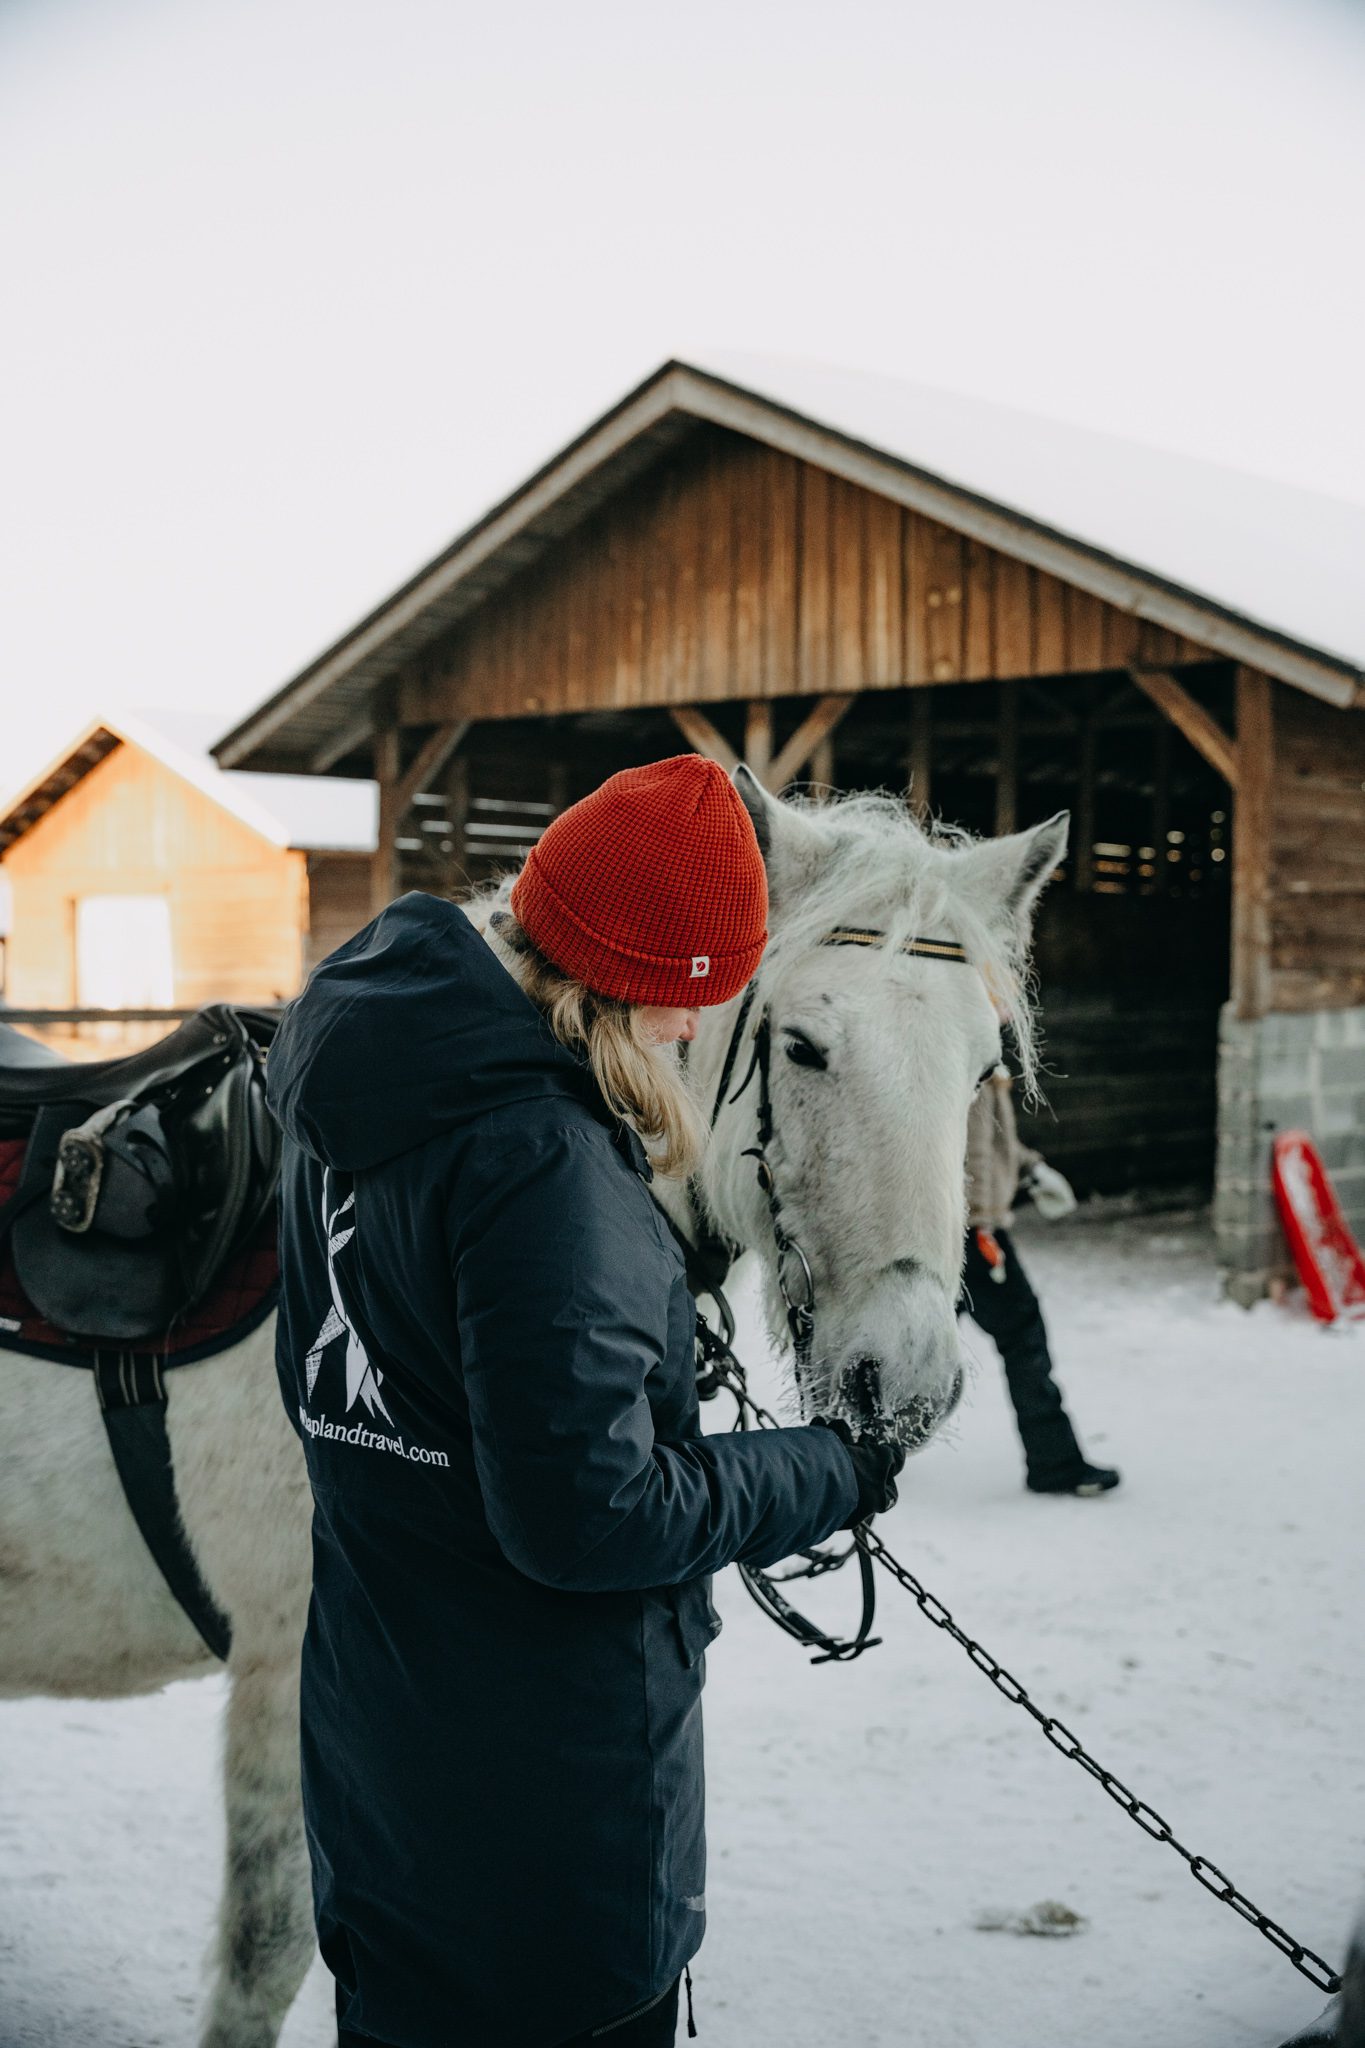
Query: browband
point(923, 949)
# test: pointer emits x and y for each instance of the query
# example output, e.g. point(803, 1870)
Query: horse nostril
point(862, 1391)
point(954, 1395)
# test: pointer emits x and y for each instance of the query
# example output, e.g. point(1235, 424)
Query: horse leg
point(265, 1938)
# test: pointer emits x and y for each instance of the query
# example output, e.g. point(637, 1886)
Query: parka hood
point(411, 1028)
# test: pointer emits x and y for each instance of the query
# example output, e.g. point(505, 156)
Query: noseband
point(794, 1277)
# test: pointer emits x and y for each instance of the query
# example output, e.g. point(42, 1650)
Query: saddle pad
point(243, 1295)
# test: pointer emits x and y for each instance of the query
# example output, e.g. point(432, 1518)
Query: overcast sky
point(293, 289)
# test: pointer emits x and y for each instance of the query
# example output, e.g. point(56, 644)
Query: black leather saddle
point(142, 1176)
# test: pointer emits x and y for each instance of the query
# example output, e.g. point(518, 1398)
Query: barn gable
point(1236, 564)
point(732, 570)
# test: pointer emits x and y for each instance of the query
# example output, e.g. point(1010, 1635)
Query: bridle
point(795, 1280)
point(709, 1259)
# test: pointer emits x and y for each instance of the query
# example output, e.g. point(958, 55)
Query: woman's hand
point(876, 1463)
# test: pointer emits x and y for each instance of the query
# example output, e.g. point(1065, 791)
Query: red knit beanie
point(652, 889)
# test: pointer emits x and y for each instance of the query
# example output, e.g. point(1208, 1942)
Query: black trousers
point(1007, 1310)
point(652, 2029)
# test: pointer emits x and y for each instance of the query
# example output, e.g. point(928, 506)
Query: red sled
point(1329, 1261)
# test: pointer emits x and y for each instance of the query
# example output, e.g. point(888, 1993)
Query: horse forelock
point(877, 867)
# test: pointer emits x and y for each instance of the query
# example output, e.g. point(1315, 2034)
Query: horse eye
point(802, 1053)
point(985, 1075)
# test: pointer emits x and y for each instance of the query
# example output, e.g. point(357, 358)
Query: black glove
point(876, 1463)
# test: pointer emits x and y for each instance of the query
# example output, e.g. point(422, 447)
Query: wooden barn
point(850, 581)
point(138, 876)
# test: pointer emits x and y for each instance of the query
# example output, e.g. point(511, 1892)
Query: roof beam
point(344, 741)
point(697, 729)
point(430, 759)
point(1189, 717)
point(813, 730)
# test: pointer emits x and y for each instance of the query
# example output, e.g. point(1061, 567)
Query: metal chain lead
point(1305, 1960)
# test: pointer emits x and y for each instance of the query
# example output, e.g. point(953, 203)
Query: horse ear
point(1005, 877)
point(790, 845)
point(757, 803)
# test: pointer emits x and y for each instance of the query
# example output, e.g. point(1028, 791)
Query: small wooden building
point(855, 582)
point(141, 877)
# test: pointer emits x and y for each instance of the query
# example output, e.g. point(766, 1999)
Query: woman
point(486, 1342)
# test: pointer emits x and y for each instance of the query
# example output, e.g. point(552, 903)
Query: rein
point(720, 1370)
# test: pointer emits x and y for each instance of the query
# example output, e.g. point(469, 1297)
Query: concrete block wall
point(1287, 1071)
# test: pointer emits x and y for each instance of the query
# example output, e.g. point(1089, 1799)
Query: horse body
point(84, 1612)
point(869, 1152)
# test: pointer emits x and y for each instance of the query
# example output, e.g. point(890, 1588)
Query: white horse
point(876, 1054)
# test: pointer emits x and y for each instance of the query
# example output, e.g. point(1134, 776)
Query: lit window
point(123, 953)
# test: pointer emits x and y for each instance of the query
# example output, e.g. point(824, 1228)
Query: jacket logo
point(362, 1380)
point(701, 964)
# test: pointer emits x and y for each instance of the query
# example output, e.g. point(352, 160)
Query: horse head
point(895, 954)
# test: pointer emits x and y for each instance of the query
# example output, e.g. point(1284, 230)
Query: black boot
point(1084, 1479)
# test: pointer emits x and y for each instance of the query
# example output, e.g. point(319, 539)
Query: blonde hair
point(641, 1081)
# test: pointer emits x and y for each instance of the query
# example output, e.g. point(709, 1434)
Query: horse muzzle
point(912, 1423)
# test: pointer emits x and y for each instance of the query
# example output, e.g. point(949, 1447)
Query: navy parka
point(485, 1342)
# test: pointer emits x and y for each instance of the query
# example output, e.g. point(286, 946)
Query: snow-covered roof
point(1253, 570)
point(1290, 560)
point(314, 813)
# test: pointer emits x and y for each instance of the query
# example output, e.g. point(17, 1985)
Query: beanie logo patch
point(701, 964)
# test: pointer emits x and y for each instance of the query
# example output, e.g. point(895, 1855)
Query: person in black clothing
point(485, 1341)
point(997, 1296)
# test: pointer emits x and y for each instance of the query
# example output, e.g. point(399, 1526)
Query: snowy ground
point(1200, 1630)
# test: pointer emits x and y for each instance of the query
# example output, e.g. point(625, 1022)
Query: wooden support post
point(1199, 726)
point(822, 770)
point(812, 733)
point(1161, 800)
point(384, 860)
point(699, 732)
point(1251, 845)
point(1007, 760)
point(920, 767)
point(1084, 871)
point(457, 801)
point(758, 737)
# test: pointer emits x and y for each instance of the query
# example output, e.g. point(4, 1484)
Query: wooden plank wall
point(1317, 855)
point(1109, 1061)
point(132, 828)
point(732, 571)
